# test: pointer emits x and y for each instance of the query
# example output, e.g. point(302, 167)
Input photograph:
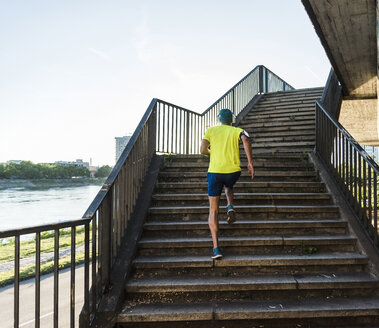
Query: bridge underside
point(348, 32)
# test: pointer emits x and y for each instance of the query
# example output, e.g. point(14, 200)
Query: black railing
point(164, 128)
point(354, 170)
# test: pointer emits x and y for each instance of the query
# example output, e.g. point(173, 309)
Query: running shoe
point(231, 214)
point(216, 253)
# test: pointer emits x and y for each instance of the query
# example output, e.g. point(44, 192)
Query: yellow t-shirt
point(224, 141)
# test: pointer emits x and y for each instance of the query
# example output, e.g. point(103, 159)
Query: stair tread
point(251, 240)
point(249, 183)
point(254, 282)
point(270, 195)
point(274, 309)
point(154, 225)
point(250, 260)
point(250, 207)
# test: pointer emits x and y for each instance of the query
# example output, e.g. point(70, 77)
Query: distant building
point(121, 143)
point(14, 161)
point(78, 162)
point(372, 151)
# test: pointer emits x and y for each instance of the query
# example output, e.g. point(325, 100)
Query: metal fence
point(164, 128)
point(354, 170)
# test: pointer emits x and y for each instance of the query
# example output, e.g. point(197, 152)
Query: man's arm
point(204, 147)
point(247, 147)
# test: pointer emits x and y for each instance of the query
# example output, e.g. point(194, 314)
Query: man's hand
point(204, 147)
point(251, 170)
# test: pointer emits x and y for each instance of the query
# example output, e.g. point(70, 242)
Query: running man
point(222, 144)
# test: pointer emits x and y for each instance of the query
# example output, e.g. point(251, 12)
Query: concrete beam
point(347, 30)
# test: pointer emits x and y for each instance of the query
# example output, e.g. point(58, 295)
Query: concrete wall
point(360, 118)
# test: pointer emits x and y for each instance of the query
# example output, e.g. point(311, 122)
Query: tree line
point(29, 170)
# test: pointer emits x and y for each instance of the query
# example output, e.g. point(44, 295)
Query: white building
point(121, 143)
point(372, 151)
point(78, 162)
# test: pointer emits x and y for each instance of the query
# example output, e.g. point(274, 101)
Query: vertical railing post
point(187, 133)
point(38, 280)
point(233, 103)
point(106, 240)
point(16, 300)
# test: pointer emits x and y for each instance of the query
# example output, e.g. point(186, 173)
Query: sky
point(76, 74)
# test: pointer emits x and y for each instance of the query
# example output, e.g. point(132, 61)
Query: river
point(29, 203)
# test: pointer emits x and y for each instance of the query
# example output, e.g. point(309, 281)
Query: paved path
point(27, 289)
point(45, 257)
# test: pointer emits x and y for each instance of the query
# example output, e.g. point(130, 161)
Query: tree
point(103, 171)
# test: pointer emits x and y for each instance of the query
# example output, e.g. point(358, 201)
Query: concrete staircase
point(289, 260)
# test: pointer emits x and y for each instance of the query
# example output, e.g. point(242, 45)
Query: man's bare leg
point(229, 197)
point(213, 219)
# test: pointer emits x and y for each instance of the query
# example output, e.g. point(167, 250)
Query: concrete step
point(242, 245)
point(280, 128)
point(271, 139)
point(294, 116)
point(273, 124)
point(282, 134)
point(249, 186)
point(303, 93)
point(252, 283)
point(340, 312)
point(250, 264)
point(247, 212)
point(305, 105)
point(173, 289)
point(273, 145)
point(258, 165)
point(301, 176)
point(246, 228)
point(286, 157)
point(288, 105)
point(276, 112)
point(244, 199)
point(279, 150)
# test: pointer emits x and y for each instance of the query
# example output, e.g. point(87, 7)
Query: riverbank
point(38, 184)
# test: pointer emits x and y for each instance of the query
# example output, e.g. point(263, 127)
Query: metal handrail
point(354, 170)
point(164, 128)
point(350, 139)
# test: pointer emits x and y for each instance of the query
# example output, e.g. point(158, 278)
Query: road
point(27, 300)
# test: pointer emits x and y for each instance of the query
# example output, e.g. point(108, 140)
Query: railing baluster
point(93, 265)
point(56, 277)
point(86, 273)
point(375, 209)
point(355, 180)
point(172, 130)
point(365, 195)
point(360, 175)
point(72, 281)
point(159, 127)
point(351, 197)
point(16, 300)
point(369, 197)
point(38, 280)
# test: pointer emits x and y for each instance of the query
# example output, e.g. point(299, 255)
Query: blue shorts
point(217, 180)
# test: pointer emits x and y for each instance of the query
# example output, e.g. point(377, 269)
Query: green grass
point(28, 272)
point(28, 249)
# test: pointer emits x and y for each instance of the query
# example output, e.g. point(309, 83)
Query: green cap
point(225, 115)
